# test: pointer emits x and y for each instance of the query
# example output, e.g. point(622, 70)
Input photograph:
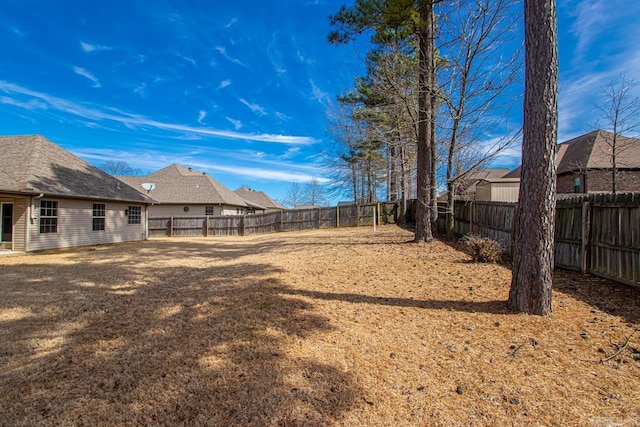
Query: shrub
point(483, 249)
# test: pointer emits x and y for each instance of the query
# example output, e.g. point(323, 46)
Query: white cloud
point(84, 73)
point(282, 116)
point(291, 152)
point(224, 83)
point(223, 51)
point(270, 174)
point(189, 60)
point(231, 22)
point(140, 89)
point(590, 17)
point(237, 124)
point(322, 97)
point(88, 47)
point(254, 107)
point(135, 121)
point(201, 116)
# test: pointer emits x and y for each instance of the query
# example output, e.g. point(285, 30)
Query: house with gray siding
point(184, 191)
point(50, 198)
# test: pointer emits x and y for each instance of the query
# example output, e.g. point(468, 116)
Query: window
point(208, 210)
point(98, 214)
point(48, 216)
point(134, 215)
point(239, 211)
point(576, 184)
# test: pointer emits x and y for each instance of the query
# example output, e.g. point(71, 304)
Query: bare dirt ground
point(333, 327)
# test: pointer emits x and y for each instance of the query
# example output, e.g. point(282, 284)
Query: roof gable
point(258, 198)
point(594, 151)
point(177, 184)
point(33, 164)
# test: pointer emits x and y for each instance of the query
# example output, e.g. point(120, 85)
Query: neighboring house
point(498, 189)
point(49, 198)
point(185, 191)
point(259, 198)
point(585, 164)
point(466, 185)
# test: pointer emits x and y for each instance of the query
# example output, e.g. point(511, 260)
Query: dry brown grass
point(334, 327)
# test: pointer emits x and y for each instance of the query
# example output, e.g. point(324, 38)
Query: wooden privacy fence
point(597, 233)
point(272, 222)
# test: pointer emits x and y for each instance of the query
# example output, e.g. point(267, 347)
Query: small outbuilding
point(498, 189)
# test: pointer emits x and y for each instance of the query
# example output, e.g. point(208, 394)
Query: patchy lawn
point(333, 327)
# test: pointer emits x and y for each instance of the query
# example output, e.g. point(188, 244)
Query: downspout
point(32, 218)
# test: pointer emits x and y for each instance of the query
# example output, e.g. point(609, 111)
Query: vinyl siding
point(19, 224)
point(75, 225)
point(498, 192)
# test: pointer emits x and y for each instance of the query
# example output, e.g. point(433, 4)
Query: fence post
point(471, 212)
point(338, 216)
point(586, 229)
point(206, 226)
point(319, 217)
point(171, 227)
point(242, 229)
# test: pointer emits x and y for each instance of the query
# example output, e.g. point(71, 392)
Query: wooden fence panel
point(269, 222)
point(599, 234)
point(188, 226)
point(387, 212)
point(348, 216)
point(300, 219)
point(365, 215)
point(494, 220)
point(615, 242)
point(328, 217)
point(226, 225)
point(462, 217)
point(159, 227)
point(569, 229)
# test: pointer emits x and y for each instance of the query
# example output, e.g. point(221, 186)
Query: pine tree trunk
point(535, 217)
point(425, 145)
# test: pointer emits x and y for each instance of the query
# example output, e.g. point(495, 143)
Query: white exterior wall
point(161, 210)
point(75, 223)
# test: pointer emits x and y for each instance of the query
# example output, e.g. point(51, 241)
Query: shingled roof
point(177, 184)
point(31, 164)
point(258, 198)
point(593, 151)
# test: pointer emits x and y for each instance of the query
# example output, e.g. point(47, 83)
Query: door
point(7, 222)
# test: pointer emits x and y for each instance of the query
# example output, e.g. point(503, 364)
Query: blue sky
point(236, 89)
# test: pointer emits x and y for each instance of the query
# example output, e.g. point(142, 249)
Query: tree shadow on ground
point(606, 295)
point(491, 307)
point(126, 340)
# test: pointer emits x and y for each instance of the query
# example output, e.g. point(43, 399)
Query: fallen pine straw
point(335, 327)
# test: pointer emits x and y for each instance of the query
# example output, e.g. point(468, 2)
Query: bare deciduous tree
point(620, 110)
point(313, 193)
point(120, 168)
point(294, 195)
point(480, 63)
